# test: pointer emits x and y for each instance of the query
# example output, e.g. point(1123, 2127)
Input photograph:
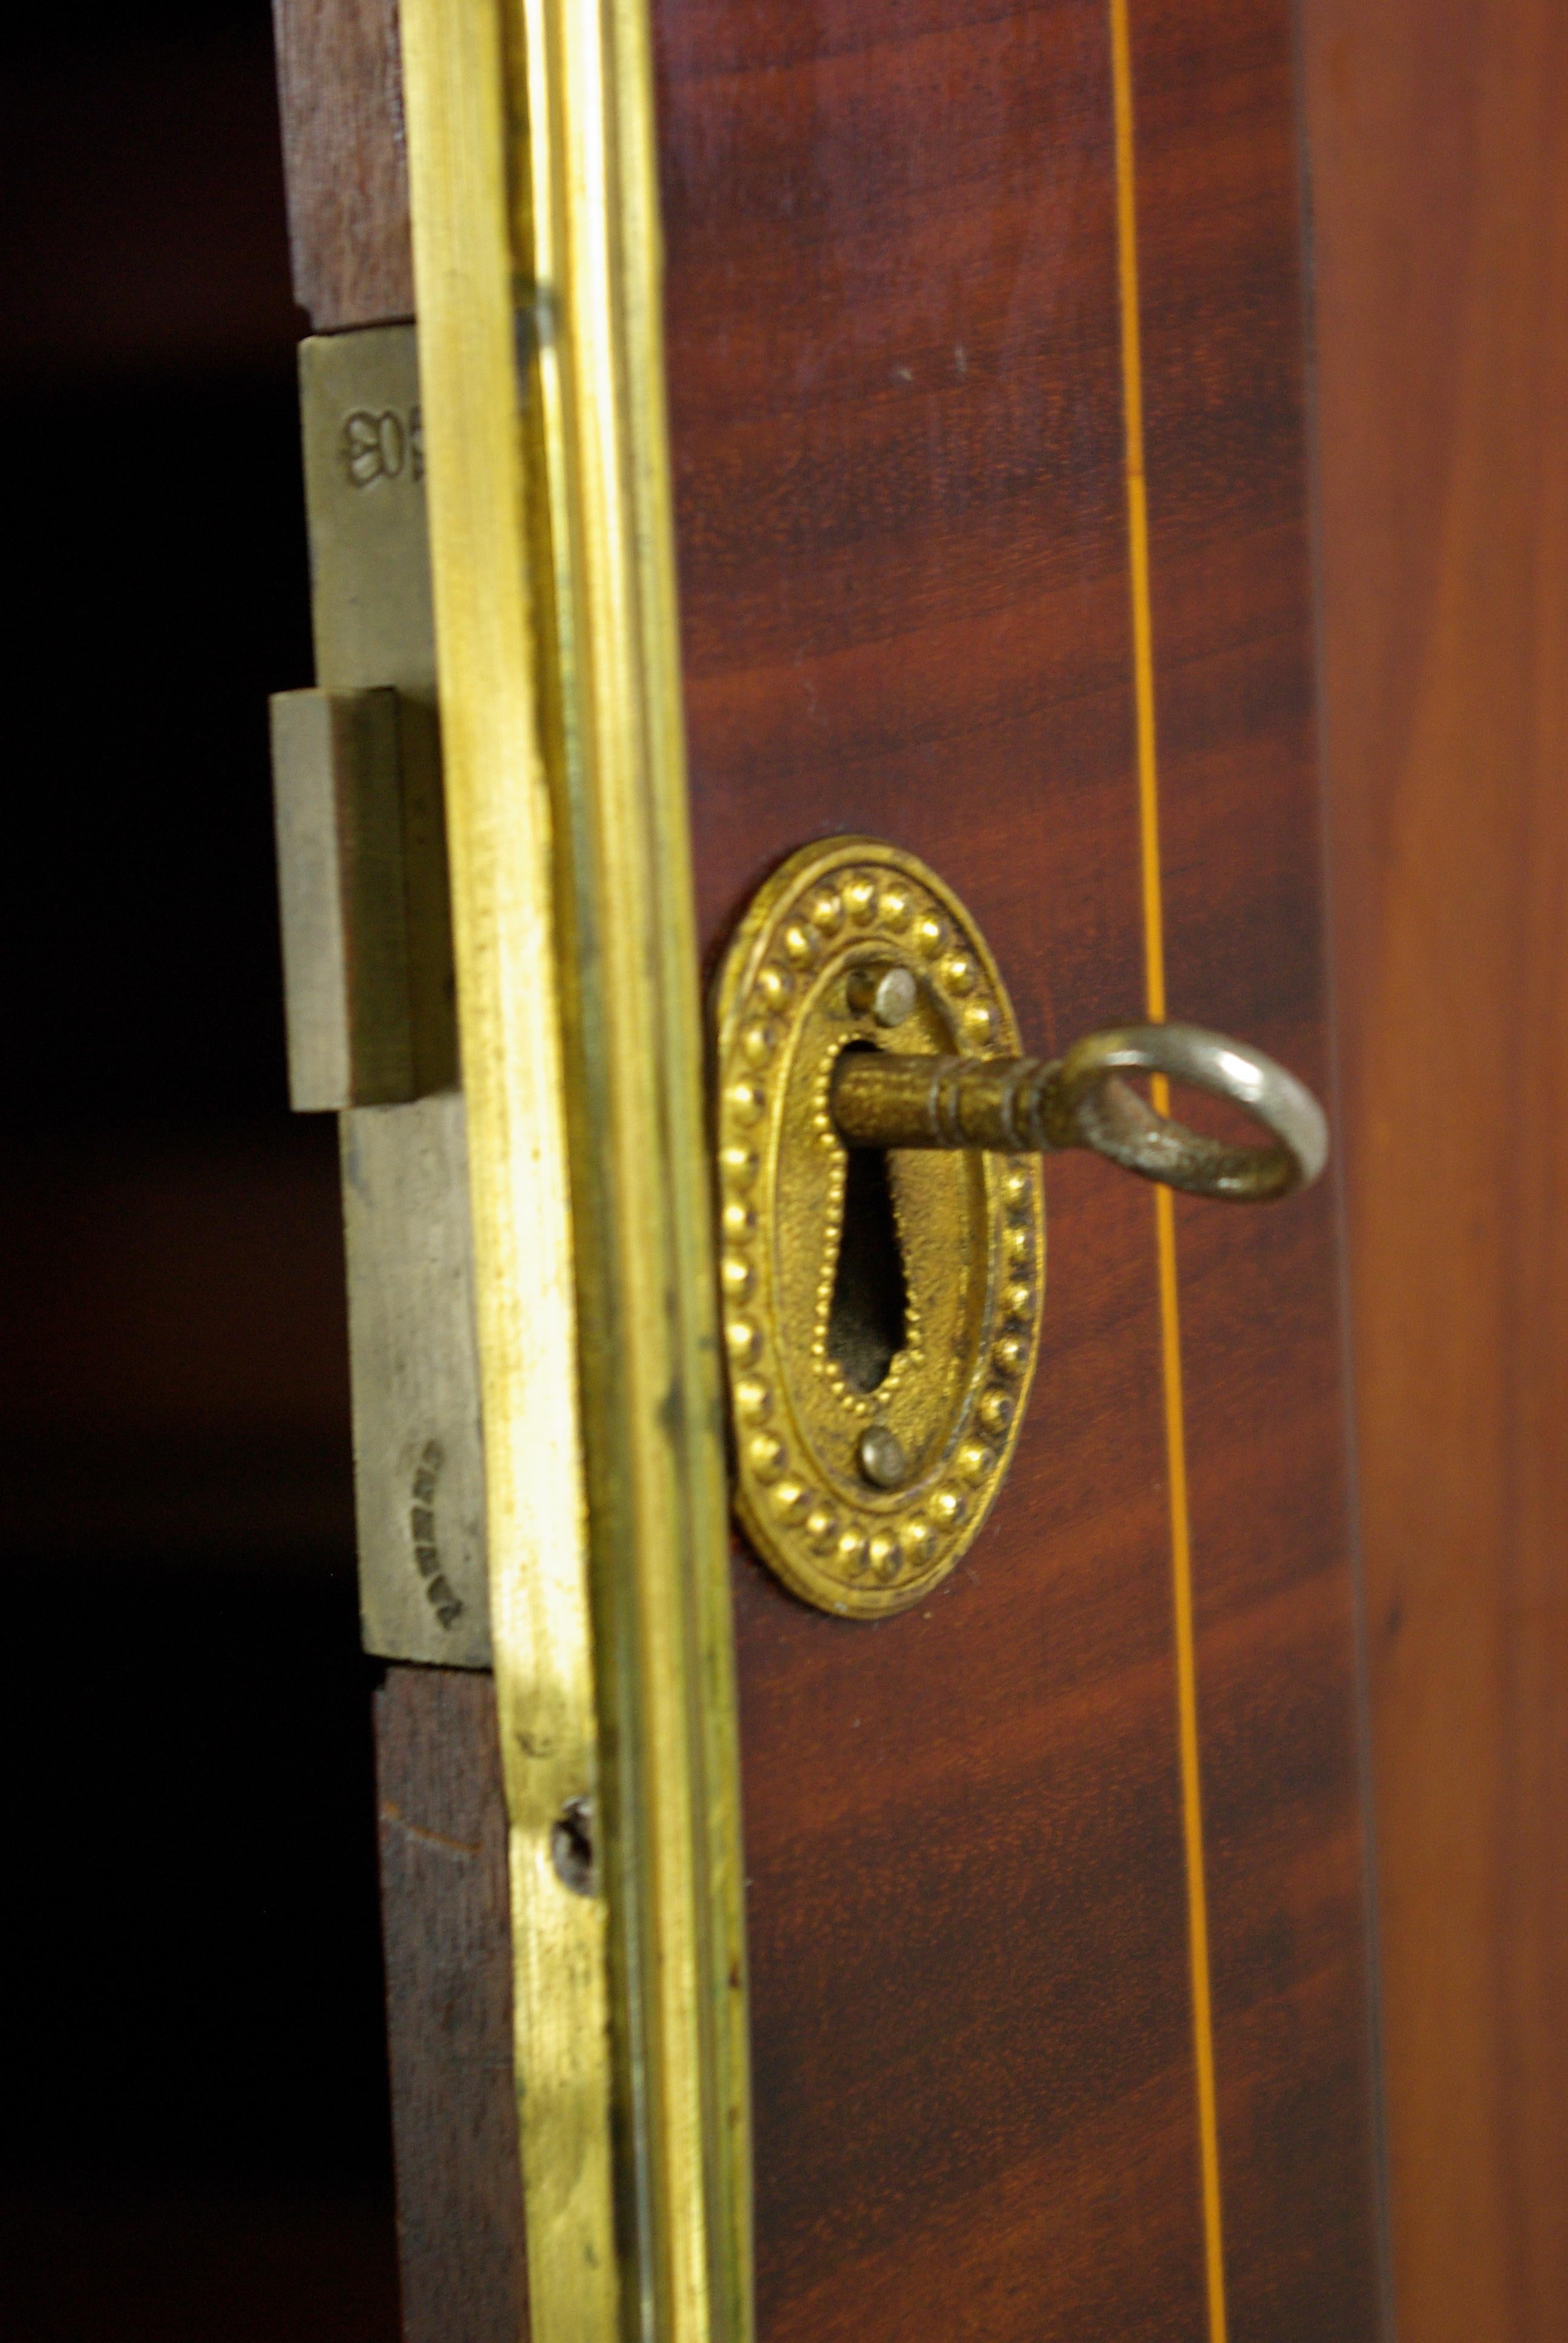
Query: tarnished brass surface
point(1003, 1103)
point(500, 839)
point(585, 194)
point(1094, 1108)
point(336, 799)
point(418, 1460)
point(536, 247)
point(362, 437)
point(793, 995)
point(1020, 1106)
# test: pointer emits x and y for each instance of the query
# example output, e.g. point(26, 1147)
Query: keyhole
point(868, 1316)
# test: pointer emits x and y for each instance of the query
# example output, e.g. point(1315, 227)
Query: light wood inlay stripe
point(1164, 1210)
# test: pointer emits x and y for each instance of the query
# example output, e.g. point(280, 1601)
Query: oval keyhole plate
point(876, 1391)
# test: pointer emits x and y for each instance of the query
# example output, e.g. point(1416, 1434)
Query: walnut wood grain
point(1442, 198)
point(449, 2007)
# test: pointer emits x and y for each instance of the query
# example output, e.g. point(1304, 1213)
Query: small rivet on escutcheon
point(879, 1453)
point(886, 994)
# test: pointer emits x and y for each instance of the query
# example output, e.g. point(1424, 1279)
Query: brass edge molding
point(532, 164)
point(657, 1466)
point(504, 933)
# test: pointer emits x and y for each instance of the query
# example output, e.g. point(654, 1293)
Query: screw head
point(880, 1456)
point(572, 1848)
point(886, 994)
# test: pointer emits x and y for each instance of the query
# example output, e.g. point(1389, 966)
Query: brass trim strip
point(657, 1475)
point(530, 133)
point(504, 936)
point(1164, 1208)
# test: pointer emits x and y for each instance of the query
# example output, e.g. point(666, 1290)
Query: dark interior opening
point(868, 1318)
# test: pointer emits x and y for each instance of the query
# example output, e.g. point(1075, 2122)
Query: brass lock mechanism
point(882, 1212)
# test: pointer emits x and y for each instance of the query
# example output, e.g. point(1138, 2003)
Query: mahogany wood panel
point(1441, 180)
point(443, 1833)
point(341, 93)
point(897, 418)
point(898, 438)
point(1218, 171)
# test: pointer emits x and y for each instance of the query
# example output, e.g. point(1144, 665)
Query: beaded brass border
point(780, 1018)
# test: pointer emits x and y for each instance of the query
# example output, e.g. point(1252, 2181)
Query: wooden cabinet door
point(984, 365)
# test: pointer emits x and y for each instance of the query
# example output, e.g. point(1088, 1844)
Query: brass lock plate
point(882, 1313)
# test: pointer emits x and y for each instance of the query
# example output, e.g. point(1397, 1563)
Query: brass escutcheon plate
point(942, 1354)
